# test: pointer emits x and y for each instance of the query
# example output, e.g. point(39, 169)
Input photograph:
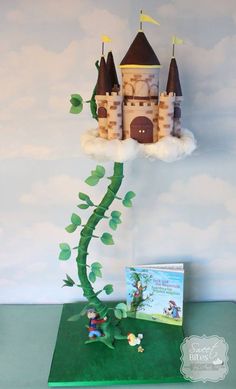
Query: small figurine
point(133, 340)
point(94, 320)
point(173, 309)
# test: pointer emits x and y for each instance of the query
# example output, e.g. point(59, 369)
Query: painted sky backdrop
point(185, 211)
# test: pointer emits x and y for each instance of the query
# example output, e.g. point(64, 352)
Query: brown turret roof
point(103, 82)
point(140, 53)
point(112, 70)
point(173, 83)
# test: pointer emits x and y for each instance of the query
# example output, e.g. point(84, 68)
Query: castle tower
point(115, 86)
point(103, 89)
point(140, 88)
point(109, 100)
point(166, 114)
point(173, 85)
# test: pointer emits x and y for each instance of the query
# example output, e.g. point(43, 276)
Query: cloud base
point(167, 149)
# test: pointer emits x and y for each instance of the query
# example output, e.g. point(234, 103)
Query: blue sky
point(185, 211)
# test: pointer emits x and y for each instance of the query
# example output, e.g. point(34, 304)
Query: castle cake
point(137, 109)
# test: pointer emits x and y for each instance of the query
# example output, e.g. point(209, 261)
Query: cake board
point(78, 364)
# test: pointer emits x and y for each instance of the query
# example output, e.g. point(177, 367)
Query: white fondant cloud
point(168, 149)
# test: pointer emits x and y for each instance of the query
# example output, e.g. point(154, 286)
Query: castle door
point(141, 129)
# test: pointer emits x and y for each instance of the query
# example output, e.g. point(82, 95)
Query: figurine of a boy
point(94, 320)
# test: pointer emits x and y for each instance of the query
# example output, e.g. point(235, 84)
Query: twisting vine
point(88, 273)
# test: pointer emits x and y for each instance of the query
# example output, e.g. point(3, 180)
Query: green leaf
point(113, 224)
point(69, 279)
point(116, 220)
point(65, 252)
point(92, 276)
point(127, 203)
point(83, 206)
point(92, 180)
point(127, 199)
point(74, 317)
point(86, 198)
point(71, 228)
point(118, 314)
point(77, 104)
point(96, 269)
point(108, 288)
point(64, 246)
point(96, 265)
point(122, 306)
point(75, 219)
point(129, 195)
point(76, 110)
point(100, 171)
point(97, 272)
point(116, 214)
point(67, 283)
point(107, 239)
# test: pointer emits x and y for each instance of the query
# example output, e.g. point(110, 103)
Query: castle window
point(102, 112)
point(154, 90)
point(128, 90)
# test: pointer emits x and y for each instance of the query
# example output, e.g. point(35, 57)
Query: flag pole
point(102, 48)
point(140, 23)
point(173, 50)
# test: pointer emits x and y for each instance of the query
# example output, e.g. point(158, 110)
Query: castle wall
point(140, 82)
point(177, 117)
point(166, 114)
point(114, 118)
point(134, 109)
point(102, 121)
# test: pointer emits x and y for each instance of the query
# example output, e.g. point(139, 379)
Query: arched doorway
point(141, 129)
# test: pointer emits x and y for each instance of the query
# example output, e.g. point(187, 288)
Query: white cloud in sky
point(210, 246)
point(57, 190)
point(202, 9)
point(202, 190)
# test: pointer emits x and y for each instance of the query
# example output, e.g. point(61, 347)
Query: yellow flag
point(177, 41)
point(105, 38)
point(147, 18)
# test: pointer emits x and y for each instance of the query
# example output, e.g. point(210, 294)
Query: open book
point(155, 292)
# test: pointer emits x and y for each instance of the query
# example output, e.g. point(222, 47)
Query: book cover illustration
point(155, 292)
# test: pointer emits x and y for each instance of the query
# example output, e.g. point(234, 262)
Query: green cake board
point(78, 364)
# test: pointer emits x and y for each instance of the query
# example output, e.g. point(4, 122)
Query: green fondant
point(78, 364)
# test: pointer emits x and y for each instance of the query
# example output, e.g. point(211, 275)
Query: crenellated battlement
point(138, 111)
point(137, 103)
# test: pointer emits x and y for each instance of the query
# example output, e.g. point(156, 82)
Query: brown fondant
point(112, 71)
point(103, 83)
point(102, 112)
point(140, 52)
point(141, 129)
point(173, 83)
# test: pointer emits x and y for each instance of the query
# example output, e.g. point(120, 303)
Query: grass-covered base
point(78, 364)
point(156, 317)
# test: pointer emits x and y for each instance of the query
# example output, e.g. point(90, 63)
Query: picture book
point(155, 292)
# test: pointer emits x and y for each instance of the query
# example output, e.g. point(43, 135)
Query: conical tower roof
point(112, 70)
point(173, 83)
point(140, 54)
point(103, 82)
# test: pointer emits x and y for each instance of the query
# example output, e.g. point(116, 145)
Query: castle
point(138, 110)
